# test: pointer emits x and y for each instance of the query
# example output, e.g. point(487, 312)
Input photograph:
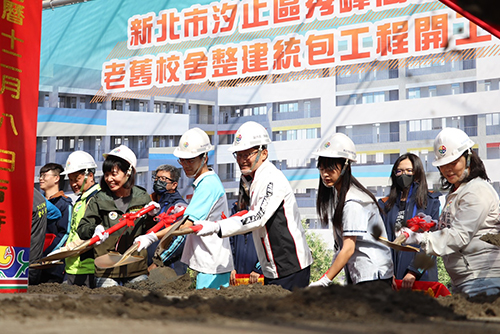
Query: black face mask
point(160, 187)
point(403, 181)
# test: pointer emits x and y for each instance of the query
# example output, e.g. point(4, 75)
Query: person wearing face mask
point(166, 180)
point(470, 211)
point(408, 197)
point(354, 214)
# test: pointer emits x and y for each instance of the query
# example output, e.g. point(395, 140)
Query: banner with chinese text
point(20, 27)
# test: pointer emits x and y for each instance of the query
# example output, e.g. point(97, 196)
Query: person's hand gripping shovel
point(76, 248)
point(419, 223)
point(115, 259)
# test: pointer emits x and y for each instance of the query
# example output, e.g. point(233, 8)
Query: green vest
point(74, 265)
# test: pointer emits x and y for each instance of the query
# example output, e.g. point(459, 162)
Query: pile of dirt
point(151, 299)
point(165, 298)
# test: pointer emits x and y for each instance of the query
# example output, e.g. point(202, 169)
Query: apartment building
point(387, 107)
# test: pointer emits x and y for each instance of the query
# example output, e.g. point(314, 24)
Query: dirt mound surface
point(163, 298)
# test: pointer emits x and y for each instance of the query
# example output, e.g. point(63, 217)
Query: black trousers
point(300, 279)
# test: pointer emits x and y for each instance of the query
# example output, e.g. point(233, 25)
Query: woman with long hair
point(355, 216)
point(408, 198)
point(470, 211)
point(118, 196)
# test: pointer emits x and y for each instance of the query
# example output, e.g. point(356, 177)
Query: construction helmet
point(249, 135)
point(124, 153)
point(193, 142)
point(78, 160)
point(337, 145)
point(449, 145)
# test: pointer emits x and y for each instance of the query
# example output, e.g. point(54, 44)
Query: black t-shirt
point(400, 219)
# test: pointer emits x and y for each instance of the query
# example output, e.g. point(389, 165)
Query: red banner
point(20, 31)
point(492, 27)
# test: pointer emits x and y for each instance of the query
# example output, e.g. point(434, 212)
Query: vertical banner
point(20, 30)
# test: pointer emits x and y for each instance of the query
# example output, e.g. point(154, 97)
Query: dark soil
point(157, 299)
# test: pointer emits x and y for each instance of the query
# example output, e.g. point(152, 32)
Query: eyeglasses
point(75, 179)
point(326, 169)
point(408, 171)
point(44, 175)
point(186, 161)
point(162, 179)
point(244, 156)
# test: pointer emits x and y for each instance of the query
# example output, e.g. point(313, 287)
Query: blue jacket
point(244, 254)
point(174, 252)
point(403, 261)
point(59, 227)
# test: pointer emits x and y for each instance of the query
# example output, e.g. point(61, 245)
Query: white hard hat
point(249, 135)
point(193, 142)
point(449, 145)
point(125, 153)
point(78, 160)
point(337, 145)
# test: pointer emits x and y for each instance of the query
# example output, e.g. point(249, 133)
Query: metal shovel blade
point(115, 259)
point(398, 246)
point(71, 250)
point(45, 265)
point(108, 260)
point(59, 255)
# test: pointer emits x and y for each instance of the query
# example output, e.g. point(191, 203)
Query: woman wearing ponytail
point(355, 217)
point(408, 198)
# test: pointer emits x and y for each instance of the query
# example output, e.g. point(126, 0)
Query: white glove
point(208, 228)
point(412, 237)
point(155, 211)
point(145, 240)
point(323, 281)
point(99, 231)
point(179, 207)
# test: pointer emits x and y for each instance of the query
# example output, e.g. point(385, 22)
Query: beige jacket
point(469, 212)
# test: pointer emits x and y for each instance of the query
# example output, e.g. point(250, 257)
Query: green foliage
point(192, 274)
point(321, 255)
point(443, 276)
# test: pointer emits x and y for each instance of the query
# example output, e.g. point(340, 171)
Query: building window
point(82, 102)
point(59, 144)
point(492, 119)
point(61, 102)
point(414, 126)
point(432, 91)
point(157, 108)
point(470, 87)
point(413, 93)
point(288, 107)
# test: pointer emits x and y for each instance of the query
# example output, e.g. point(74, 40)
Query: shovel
point(45, 265)
point(79, 248)
point(415, 224)
point(115, 259)
point(396, 246)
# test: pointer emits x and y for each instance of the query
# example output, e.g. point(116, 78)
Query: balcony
point(296, 114)
point(372, 138)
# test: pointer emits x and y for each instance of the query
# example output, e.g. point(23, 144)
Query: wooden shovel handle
point(188, 230)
